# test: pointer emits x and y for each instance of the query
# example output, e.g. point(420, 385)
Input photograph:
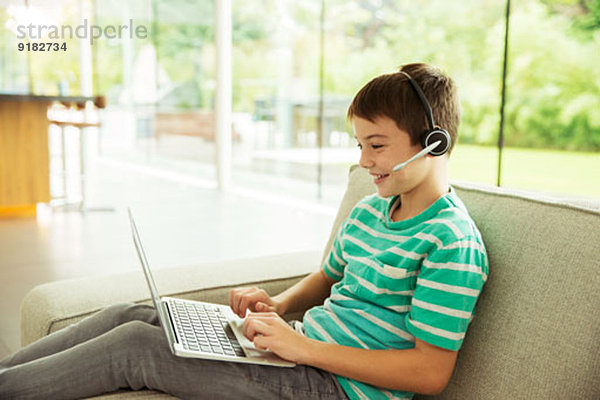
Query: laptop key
point(206, 349)
point(239, 352)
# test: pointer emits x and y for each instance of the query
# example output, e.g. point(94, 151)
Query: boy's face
point(383, 145)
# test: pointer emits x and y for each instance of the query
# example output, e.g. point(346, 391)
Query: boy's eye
point(373, 146)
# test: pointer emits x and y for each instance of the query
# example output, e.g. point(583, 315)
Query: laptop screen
point(142, 256)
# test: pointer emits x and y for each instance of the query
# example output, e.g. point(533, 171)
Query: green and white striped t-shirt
point(419, 277)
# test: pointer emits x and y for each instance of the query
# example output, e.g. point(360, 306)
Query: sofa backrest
point(536, 331)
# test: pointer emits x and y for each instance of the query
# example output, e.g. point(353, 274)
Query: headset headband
point(424, 101)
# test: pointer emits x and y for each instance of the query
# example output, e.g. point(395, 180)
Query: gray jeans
point(123, 347)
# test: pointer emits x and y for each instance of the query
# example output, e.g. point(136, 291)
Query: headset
point(434, 133)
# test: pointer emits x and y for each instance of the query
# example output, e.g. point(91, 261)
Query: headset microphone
point(420, 154)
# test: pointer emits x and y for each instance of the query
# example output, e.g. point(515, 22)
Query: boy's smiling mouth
point(378, 178)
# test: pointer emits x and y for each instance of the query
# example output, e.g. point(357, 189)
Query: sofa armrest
point(52, 306)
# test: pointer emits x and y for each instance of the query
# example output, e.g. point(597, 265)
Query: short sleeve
point(335, 263)
point(447, 289)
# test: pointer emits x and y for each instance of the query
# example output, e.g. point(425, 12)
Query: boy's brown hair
point(392, 96)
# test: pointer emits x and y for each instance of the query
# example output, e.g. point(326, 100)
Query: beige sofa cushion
point(536, 331)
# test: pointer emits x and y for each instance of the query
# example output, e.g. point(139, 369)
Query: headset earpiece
point(434, 133)
point(433, 136)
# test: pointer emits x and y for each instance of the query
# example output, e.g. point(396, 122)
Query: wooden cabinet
point(24, 158)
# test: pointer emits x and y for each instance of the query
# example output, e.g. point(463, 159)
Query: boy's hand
point(268, 331)
point(253, 299)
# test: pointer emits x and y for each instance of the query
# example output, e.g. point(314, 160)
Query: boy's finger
point(233, 299)
point(243, 302)
point(250, 301)
point(253, 327)
point(235, 296)
point(262, 307)
point(260, 342)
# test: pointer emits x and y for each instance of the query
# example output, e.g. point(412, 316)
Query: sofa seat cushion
point(55, 305)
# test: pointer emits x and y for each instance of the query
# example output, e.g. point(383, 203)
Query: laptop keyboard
point(202, 327)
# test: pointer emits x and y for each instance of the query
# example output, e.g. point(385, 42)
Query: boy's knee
point(134, 351)
point(125, 312)
point(132, 330)
point(139, 338)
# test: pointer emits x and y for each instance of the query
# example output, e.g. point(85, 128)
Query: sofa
point(536, 331)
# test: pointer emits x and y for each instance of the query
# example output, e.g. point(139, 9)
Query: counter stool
point(63, 202)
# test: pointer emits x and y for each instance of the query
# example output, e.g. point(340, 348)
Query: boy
point(407, 266)
point(391, 305)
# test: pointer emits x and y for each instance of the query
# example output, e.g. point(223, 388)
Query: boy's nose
point(365, 161)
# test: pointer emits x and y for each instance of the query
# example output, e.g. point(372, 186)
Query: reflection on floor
point(183, 220)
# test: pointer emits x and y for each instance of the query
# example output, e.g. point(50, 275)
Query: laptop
point(197, 329)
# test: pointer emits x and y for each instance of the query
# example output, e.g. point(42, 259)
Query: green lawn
point(564, 173)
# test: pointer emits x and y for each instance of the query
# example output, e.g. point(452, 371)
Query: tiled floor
point(182, 219)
